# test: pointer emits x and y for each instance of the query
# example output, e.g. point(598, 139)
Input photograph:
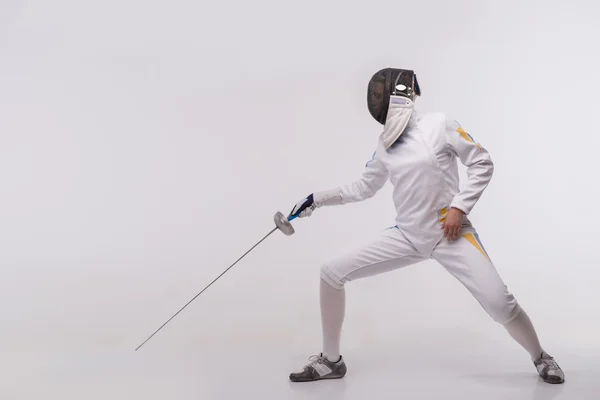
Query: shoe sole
point(314, 380)
point(554, 380)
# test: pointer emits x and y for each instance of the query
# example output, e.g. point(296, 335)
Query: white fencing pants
point(465, 258)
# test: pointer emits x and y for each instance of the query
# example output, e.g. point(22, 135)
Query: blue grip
point(292, 217)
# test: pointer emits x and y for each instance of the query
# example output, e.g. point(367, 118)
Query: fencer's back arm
point(478, 161)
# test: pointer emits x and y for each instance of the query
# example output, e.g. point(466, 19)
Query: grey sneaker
point(549, 369)
point(320, 368)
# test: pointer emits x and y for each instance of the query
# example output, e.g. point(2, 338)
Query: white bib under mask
point(399, 113)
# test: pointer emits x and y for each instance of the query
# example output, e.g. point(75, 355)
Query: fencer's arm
point(480, 167)
point(372, 180)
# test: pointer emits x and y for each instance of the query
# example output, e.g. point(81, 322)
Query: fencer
point(418, 154)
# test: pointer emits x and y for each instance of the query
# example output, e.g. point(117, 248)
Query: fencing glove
point(305, 207)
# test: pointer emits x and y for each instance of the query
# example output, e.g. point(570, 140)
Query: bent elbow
point(490, 167)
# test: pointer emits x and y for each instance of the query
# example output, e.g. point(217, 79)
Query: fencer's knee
point(503, 308)
point(331, 278)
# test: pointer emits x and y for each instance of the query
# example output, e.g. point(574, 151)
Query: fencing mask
point(390, 98)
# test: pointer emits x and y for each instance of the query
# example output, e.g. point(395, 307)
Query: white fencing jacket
point(422, 167)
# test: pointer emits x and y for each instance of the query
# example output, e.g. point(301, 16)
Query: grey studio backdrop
point(145, 145)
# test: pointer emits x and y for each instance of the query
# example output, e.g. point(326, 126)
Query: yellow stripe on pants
point(473, 240)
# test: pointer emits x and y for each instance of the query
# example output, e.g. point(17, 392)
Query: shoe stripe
point(322, 369)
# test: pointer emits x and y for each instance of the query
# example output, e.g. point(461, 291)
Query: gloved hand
point(304, 208)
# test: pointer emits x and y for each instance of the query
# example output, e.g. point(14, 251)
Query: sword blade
point(196, 296)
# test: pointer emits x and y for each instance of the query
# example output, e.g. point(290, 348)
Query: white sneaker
point(320, 368)
point(549, 369)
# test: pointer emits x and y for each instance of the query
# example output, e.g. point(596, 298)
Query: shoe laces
point(314, 360)
point(550, 362)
